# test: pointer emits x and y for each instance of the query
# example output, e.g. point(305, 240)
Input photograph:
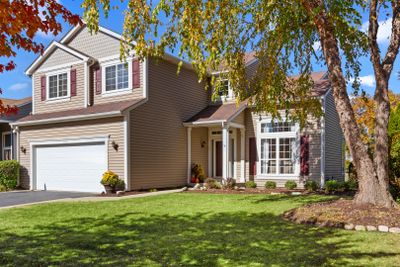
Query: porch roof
point(217, 114)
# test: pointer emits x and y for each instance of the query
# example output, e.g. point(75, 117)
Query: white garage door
point(76, 167)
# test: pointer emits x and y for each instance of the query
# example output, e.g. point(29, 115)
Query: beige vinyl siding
point(158, 138)
point(334, 142)
point(58, 57)
point(313, 128)
point(240, 119)
point(112, 127)
point(98, 45)
point(135, 93)
point(73, 102)
point(199, 153)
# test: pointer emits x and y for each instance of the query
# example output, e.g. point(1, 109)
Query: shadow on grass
point(302, 199)
point(202, 239)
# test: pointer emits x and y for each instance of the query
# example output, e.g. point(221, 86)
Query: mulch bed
point(249, 191)
point(341, 212)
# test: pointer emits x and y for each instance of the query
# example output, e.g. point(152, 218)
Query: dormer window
point(117, 77)
point(58, 85)
point(225, 92)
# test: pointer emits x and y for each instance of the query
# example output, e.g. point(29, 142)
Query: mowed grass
point(184, 229)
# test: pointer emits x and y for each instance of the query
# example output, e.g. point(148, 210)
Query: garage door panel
point(71, 167)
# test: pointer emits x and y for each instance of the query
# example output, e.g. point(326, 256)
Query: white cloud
point(368, 80)
point(384, 30)
point(18, 86)
point(317, 46)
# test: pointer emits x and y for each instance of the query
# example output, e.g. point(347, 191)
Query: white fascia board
point(68, 119)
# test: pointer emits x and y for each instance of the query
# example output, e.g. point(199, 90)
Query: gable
point(58, 57)
point(98, 45)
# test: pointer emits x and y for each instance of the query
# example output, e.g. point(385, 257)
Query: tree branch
point(394, 44)
point(372, 36)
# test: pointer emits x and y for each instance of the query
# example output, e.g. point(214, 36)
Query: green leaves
point(214, 35)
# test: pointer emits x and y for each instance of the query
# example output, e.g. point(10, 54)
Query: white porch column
point(189, 153)
point(242, 153)
point(225, 151)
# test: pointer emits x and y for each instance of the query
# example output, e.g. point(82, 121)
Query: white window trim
point(3, 139)
point(277, 135)
point(62, 98)
point(230, 95)
point(103, 78)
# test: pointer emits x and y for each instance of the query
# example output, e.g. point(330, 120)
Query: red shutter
point(135, 73)
point(304, 155)
point(43, 87)
point(73, 82)
point(98, 81)
point(252, 156)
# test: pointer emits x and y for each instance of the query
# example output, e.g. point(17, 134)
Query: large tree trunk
point(371, 190)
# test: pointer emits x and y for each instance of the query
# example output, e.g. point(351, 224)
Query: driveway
point(16, 198)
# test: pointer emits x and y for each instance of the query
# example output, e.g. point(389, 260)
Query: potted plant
point(109, 181)
point(198, 175)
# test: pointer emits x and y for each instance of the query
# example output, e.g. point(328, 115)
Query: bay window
point(277, 146)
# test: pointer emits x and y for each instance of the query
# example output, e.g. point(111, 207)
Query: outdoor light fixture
point(23, 149)
point(203, 143)
point(114, 145)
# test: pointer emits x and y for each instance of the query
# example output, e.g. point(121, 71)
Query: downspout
point(322, 182)
point(87, 66)
point(15, 130)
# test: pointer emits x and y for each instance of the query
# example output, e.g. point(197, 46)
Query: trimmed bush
point(270, 185)
point(331, 186)
point(352, 185)
point(290, 185)
point(211, 183)
point(311, 185)
point(9, 171)
point(250, 184)
point(110, 178)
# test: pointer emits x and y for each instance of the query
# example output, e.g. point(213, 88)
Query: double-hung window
point(58, 85)
point(116, 77)
point(7, 146)
point(277, 148)
point(225, 91)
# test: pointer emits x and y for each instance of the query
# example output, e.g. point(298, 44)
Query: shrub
point(342, 186)
point(9, 171)
point(311, 185)
point(198, 172)
point(201, 178)
point(270, 184)
point(290, 185)
point(352, 185)
point(212, 184)
point(110, 178)
point(331, 186)
point(120, 185)
point(250, 184)
point(229, 184)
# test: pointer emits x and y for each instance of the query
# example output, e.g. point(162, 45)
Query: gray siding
point(158, 137)
point(334, 142)
point(58, 57)
point(95, 45)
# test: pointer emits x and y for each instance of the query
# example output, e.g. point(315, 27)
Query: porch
point(217, 144)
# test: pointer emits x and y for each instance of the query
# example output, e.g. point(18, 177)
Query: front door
point(218, 158)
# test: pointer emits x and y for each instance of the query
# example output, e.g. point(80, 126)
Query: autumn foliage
point(20, 21)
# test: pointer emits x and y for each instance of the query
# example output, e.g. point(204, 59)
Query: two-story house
point(92, 113)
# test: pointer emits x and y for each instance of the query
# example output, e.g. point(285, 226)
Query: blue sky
point(16, 84)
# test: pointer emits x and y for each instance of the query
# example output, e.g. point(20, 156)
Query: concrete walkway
point(28, 198)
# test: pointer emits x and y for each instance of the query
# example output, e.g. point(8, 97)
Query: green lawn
point(184, 229)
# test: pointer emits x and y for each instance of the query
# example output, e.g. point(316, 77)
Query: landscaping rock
point(276, 193)
point(371, 228)
point(395, 230)
point(197, 186)
point(359, 228)
point(185, 188)
point(349, 226)
point(296, 193)
point(383, 228)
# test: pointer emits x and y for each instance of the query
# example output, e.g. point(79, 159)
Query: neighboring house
point(8, 137)
point(92, 113)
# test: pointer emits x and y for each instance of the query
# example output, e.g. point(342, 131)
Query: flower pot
point(109, 189)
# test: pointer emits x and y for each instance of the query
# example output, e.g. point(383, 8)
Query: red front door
point(218, 158)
